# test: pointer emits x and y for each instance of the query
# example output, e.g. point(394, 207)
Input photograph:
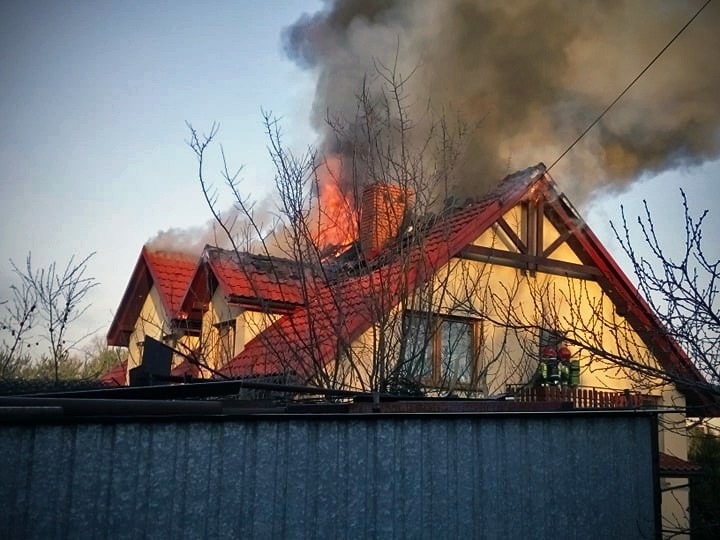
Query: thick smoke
point(533, 74)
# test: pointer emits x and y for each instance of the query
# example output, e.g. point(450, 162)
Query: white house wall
point(254, 323)
point(219, 311)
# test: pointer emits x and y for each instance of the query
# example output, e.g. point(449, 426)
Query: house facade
point(511, 294)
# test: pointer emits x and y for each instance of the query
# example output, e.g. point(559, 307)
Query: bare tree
point(683, 289)
point(98, 358)
point(45, 305)
point(16, 325)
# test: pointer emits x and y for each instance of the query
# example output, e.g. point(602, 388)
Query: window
point(550, 338)
point(226, 341)
point(439, 350)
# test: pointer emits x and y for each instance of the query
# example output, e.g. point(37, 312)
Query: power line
point(658, 55)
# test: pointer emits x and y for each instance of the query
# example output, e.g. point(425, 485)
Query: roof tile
point(246, 278)
point(171, 274)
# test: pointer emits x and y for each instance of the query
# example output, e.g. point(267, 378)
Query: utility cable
point(658, 55)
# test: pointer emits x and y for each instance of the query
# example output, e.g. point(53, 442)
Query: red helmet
point(549, 351)
point(564, 353)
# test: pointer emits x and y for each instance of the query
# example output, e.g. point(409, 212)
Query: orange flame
point(336, 219)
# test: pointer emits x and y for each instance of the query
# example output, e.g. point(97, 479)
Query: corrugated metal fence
point(355, 476)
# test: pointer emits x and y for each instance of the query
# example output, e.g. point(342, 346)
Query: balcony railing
point(584, 397)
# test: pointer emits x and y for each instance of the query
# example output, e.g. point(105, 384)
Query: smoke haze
point(532, 75)
point(192, 240)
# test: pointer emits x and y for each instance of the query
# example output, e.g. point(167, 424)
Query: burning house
point(510, 294)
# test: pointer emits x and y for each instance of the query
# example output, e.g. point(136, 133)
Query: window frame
point(549, 337)
point(226, 336)
point(439, 377)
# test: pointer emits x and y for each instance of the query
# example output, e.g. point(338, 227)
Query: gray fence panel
point(532, 476)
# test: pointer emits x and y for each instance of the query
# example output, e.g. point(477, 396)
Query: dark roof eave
point(137, 288)
point(270, 306)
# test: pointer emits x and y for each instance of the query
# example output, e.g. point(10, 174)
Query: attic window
point(226, 342)
point(440, 350)
point(187, 327)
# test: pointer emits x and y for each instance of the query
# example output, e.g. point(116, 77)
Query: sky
point(94, 102)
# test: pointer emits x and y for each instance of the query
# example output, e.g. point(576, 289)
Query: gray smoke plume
point(533, 74)
point(192, 240)
point(189, 241)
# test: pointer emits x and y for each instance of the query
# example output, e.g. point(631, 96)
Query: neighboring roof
point(674, 466)
point(169, 271)
point(116, 376)
point(270, 283)
point(336, 316)
point(185, 368)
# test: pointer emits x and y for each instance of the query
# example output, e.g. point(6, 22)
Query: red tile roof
point(185, 368)
point(339, 314)
point(170, 272)
point(116, 376)
point(674, 466)
point(673, 359)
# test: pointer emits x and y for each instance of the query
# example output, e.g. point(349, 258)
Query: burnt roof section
point(268, 283)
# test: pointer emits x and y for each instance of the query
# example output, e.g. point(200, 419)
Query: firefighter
point(542, 373)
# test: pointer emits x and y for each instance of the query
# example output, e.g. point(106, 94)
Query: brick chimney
point(381, 215)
